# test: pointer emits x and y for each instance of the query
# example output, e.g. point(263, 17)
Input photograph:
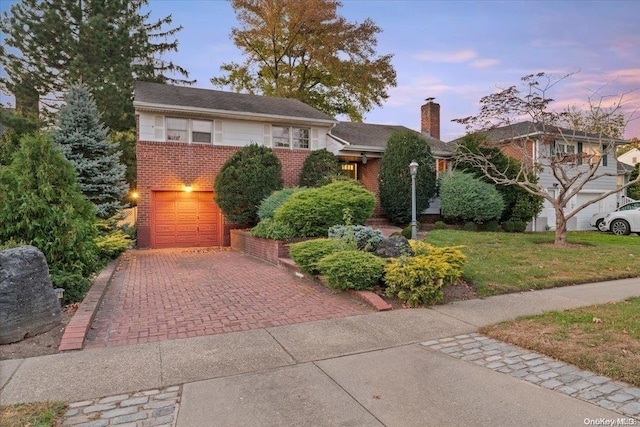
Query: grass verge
point(604, 339)
point(46, 414)
point(500, 263)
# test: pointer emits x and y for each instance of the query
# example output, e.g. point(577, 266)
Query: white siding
point(239, 133)
point(147, 127)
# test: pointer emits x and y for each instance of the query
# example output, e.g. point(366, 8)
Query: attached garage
point(185, 219)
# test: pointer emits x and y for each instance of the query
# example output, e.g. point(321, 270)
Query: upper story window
point(180, 129)
point(177, 129)
point(290, 137)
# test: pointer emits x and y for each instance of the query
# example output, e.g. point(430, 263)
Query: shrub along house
point(184, 136)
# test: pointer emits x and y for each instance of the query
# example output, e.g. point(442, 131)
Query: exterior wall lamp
point(364, 158)
point(187, 188)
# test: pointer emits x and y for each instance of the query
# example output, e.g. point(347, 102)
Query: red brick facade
point(369, 178)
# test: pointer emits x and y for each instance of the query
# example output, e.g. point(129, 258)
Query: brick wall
point(369, 178)
point(264, 249)
point(170, 166)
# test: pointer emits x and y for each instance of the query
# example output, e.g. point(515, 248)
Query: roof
point(375, 136)
point(624, 169)
point(147, 95)
point(529, 128)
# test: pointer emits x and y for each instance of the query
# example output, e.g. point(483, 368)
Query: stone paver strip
point(142, 409)
point(542, 371)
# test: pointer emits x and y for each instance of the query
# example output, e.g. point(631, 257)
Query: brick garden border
point(76, 331)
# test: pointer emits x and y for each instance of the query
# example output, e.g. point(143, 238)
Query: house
point(577, 152)
point(184, 135)
point(631, 157)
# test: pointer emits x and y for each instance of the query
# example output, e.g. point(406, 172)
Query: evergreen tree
point(41, 204)
point(634, 190)
point(84, 141)
point(395, 179)
point(107, 45)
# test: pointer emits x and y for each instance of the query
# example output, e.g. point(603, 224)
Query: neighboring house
point(631, 157)
point(624, 174)
point(567, 144)
point(184, 136)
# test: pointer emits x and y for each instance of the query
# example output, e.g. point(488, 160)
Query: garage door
point(181, 219)
point(583, 217)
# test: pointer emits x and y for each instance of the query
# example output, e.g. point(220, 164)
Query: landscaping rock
point(28, 303)
point(393, 247)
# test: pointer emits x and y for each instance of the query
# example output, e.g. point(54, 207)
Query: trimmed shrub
point(75, 285)
point(440, 225)
point(310, 213)
point(274, 230)
point(406, 232)
point(519, 226)
point(366, 238)
point(491, 226)
point(269, 204)
point(466, 198)
point(508, 226)
point(470, 226)
point(395, 179)
point(452, 255)
point(111, 240)
point(245, 179)
point(351, 270)
point(318, 167)
point(307, 254)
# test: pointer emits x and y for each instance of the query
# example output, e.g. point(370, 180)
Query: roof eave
point(241, 115)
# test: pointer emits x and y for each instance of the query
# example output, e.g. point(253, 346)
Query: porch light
point(187, 188)
point(364, 158)
point(413, 168)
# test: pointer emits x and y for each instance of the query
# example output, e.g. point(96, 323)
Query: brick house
point(184, 135)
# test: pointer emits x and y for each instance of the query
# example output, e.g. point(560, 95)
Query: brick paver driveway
point(167, 294)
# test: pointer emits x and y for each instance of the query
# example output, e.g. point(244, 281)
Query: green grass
point(602, 338)
point(500, 263)
point(47, 414)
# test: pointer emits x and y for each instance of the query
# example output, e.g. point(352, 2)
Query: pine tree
point(84, 141)
point(106, 45)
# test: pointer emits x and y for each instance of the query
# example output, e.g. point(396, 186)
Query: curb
point(370, 298)
point(76, 331)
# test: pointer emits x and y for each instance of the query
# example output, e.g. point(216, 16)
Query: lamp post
point(413, 168)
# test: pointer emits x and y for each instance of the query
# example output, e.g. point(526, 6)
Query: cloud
point(628, 76)
point(459, 56)
point(484, 63)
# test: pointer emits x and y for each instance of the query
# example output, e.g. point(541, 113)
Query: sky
point(456, 51)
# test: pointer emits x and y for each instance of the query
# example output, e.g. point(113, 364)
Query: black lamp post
point(413, 168)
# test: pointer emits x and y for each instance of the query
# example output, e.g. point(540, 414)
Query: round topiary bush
point(311, 212)
point(307, 254)
point(491, 226)
point(351, 270)
point(440, 225)
point(318, 167)
point(470, 226)
point(519, 226)
point(508, 226)
point(245, 179)
point(466, 198)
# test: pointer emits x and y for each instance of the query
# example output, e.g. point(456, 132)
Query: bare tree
point(549, 145)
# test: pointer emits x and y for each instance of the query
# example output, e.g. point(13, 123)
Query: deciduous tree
point(305, 50)
point(522, 124)
point(107, 45)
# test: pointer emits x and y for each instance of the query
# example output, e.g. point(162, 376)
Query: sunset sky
point(457, 51)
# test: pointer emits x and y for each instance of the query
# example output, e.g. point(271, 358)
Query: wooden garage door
point(181, 219)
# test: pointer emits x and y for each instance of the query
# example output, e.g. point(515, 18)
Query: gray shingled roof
point(163, 94)
point(376, 136)
point(528, 128)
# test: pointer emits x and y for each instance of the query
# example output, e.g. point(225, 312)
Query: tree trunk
point(561, 228)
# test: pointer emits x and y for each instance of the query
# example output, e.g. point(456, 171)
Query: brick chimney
point(430, 118)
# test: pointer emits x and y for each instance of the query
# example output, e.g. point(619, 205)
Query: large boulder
point(394, 247)
point(28, 303)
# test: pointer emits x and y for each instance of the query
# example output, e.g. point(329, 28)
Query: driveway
point(168, 294)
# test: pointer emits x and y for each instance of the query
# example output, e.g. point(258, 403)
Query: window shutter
point(266, 135)
point(552, 149)
point(579, 153)
point(158, 128)
point(217, 132)
point(605, 161)
point(314, 143)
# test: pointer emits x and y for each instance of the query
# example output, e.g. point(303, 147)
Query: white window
point(290, 137)
point(280, 136)
point(201, 131)
point(565, 149)
point(177, 129)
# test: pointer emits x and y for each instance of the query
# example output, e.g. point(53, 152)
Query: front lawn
point(604, 339)
point(45, 414)
point(500, 263)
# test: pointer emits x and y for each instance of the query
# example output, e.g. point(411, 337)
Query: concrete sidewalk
point(361, 370)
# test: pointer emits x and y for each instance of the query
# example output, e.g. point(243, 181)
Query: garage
point(583, 217)
point(185, 219)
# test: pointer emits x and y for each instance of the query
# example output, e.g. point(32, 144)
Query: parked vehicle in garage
point(623, 222)
point(598, 218)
